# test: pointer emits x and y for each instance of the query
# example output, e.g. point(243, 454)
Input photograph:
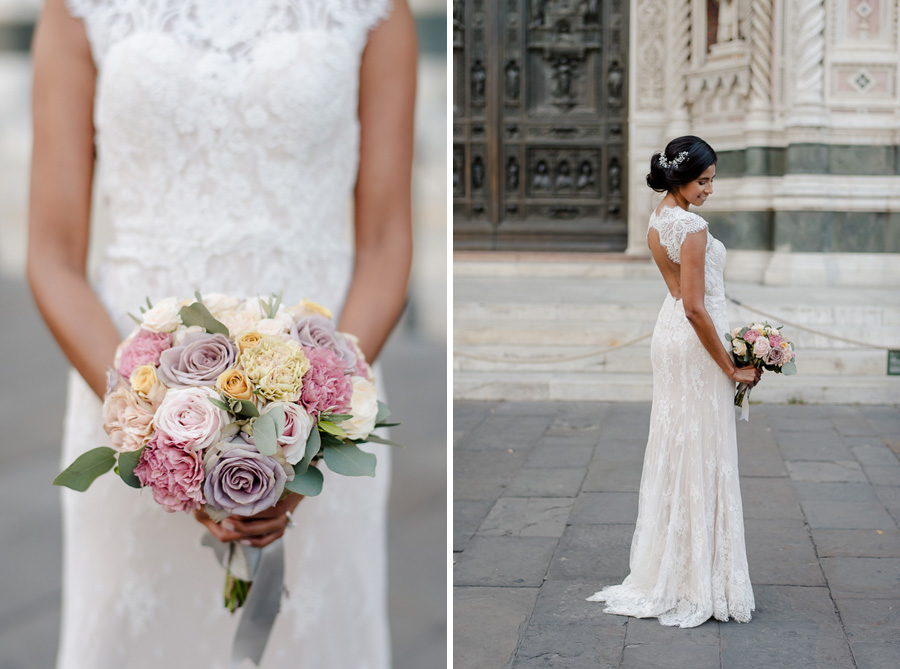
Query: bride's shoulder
point(678, 218)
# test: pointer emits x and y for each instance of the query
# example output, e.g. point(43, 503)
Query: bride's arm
point(693, 292)
point(382, 196)
point(62, 166)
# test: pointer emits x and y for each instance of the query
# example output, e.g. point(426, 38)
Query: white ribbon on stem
point(745, 400)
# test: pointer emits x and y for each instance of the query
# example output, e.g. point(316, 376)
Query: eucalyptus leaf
point(277, 415)
point(349, 460)
point(149, 303)
point(128, 460)
point(219, 403)
point(331, 428)
point(198, 296)
point(313, 444)
point(198, 314)
point(264, 435)
point(338, 417)
point(381, 440)
point(387, 424)
point(135, 319)
point(308, 483)
point(247, 409)
point(330, 439)
point(789, 368)
point(87, 466)
point(383, 412)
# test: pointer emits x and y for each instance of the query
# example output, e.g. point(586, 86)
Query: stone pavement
point(31, 403)
point(545, 498)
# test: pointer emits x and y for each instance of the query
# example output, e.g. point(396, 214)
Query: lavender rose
point(241, 481)
point(775, 356)
point(175, 475)
point(318, 332)
point(189, 418)
point(198, 361)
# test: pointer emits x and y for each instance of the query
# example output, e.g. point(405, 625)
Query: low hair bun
point(684, 159)
point(657, 178)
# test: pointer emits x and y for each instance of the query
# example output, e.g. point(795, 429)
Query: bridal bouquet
point(227, 404)
point(764, 347)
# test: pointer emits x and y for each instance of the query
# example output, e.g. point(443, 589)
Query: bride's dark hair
point(684, 159)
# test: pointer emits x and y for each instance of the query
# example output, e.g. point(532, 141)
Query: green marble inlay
point(837, 231)
point(742, 229)
point(858, 160)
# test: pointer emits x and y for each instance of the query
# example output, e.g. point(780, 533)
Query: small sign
point(893, 363)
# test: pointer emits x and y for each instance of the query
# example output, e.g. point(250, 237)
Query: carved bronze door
point(539, 119)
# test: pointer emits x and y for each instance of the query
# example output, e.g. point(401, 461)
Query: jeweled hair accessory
point(675, 162)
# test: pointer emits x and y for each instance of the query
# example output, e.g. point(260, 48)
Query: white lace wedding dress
point(688, 560)
point(228, 141)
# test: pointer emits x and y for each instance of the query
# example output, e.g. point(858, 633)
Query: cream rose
point(218, 303)
point(163, 317)
point(363, 408)
point(740, 346)
point(248, 340)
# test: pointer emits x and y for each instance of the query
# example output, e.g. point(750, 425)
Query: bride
point(226, 139)
point(688, 561)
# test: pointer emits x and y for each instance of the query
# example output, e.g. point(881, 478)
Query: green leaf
point(330, 439)
point(331, 428)
point(128, 460)
point(349, 460)
point(381, 440)
point(277, 415)
point(387, 424)
point(789, 368)
point(308, 483)
point(198, 314)
point(338, 417)
point(313, 444)
point(197, 296)
point(149, 303)
point(87, 466)
point(383, 412)
point(247, 409)
point(219, 403)
point(135, 319)
point(264, 435)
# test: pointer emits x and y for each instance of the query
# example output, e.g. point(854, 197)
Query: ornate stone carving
point(541, 180)
point(810, 51)
point(512, 80)
point(760, 53)
point(651, 24)
point(585, 175)
point(615, 177)
point(679, 52)
point(479, 77)
point(564, 176)
point(512, 175)
point(729, 22)
point(477, 173)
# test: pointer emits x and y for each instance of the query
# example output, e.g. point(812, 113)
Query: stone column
point(808, 64)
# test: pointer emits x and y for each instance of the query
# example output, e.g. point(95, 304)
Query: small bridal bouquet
point(764, 347)
point(227, 404)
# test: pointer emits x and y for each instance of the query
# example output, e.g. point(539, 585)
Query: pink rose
point(188, 417)
point(297, 426)
point(144, 349)
point(175, 475)
point(761, 347)
point(750, 336)
point(325, 386)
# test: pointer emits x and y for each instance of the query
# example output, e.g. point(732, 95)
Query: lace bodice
point(674, 224)
point(227, 133)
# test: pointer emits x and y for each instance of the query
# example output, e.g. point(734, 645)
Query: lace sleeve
point(675, 229)
point(372, 12)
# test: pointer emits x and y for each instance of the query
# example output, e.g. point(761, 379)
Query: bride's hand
point(259, 530)
point(748, 375)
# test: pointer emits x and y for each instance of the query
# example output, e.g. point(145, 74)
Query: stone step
point(624, 387)
point(603, 311)
point(636, 359)
point(600, 334)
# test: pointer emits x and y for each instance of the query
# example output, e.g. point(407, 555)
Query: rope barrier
point(647, 335)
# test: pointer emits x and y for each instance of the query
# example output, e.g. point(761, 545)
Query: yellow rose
point(309, 305)
point(248, 340)
point(276, 368)
point(235, 384)
point(148, 390)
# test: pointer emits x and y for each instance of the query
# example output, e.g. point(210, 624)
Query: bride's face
point(700, 188)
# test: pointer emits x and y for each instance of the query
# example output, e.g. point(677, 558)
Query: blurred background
point(414, 362)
